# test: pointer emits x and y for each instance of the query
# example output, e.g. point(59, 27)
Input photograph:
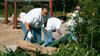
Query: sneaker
point(45, 45)
point(48, 44)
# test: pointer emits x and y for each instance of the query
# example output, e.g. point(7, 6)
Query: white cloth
point(22, 15)
point(53, 23)
point(29, 35)
point(33, 17)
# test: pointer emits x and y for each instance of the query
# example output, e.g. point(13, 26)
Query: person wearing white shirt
point(21, 16)
point(52, 24)
point(72, 22)
point(32, 22)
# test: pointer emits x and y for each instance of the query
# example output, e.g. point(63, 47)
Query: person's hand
point(26, 26)
point(67, 25)
point(29, 35)
point(62, 35)
point(46, 29)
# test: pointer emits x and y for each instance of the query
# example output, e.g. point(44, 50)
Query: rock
point(35, 47)
point(11, 47)
point(48, 50)
point(28, 46)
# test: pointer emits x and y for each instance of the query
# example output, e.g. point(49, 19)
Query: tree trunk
point(64, 5)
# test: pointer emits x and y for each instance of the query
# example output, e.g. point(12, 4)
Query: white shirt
point(75, 13)
point(22, 15)
point(53, 23)
point(33, 17)
point(72, 22)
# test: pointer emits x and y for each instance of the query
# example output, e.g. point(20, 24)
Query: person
point(22, 15)
point(53, 23)
point(72, 23)
point(32, 23)
point(12, 15)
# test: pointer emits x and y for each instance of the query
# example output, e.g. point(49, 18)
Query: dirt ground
point(9, 36)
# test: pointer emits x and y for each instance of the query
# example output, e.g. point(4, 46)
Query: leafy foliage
point(69, 49)
point(73, 49)
point(89, 30)
point(69, 5)
point(18, 52)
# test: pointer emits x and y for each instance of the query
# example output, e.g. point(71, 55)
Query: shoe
point(45, 45)
point(48, 44)
point(42, 45)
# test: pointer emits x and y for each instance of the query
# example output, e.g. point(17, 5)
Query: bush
point(75, 49)
point(89, 30)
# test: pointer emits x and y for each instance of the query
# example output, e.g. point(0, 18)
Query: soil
point(8, 35)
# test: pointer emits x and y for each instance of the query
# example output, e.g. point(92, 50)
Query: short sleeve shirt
point(53, 23)
point(33, 17)
point(22, 15)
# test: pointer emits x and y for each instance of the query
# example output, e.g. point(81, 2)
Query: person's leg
point(37, 34)
point(73, 38)
point(71, 31)
point(23, 27)
point(33, 39)
point(50, 37)
point(45, 36)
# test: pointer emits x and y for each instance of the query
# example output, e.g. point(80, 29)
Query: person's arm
point(59, 32)
point(27, 20)
point(48, 25)
point(58, 28)
point(27, 26)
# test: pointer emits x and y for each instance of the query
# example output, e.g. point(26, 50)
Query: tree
point(64, 5)
point(91, 30)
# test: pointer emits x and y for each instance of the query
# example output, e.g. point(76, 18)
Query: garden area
point(87, 32)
